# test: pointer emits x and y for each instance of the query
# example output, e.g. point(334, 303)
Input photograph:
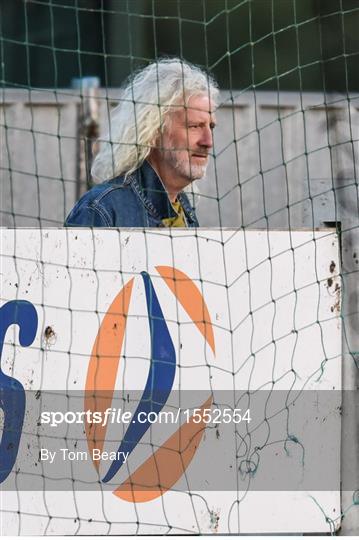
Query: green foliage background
point(268, 44)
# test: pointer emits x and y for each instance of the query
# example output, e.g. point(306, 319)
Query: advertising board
point(170, 382)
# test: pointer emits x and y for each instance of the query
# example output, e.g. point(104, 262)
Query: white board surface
point(273, 300)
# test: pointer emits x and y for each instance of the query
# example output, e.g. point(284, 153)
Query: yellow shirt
point(177, 221)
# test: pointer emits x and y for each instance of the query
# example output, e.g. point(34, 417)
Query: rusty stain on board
point(50, 336)
point(214, 520)
point(334, 289)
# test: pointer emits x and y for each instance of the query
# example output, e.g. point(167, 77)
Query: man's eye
point(193, 126)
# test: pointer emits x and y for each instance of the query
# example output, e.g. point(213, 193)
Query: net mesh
point(285, 156)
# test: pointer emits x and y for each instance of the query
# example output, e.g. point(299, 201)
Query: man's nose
point(206, 137)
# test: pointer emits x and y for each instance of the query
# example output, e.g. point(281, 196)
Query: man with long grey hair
point(159, 141)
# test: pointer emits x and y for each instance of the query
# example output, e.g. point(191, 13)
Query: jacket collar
point(148, 186)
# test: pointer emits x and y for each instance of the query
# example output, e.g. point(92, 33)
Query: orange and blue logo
point(168, 463)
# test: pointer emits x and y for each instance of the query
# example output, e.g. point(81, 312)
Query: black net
point(284, 161)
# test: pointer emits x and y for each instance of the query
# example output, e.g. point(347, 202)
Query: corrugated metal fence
point(282, 160)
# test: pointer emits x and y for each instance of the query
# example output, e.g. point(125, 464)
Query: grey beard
point(187, 170)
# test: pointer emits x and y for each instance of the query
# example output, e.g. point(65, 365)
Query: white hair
point(147, 98)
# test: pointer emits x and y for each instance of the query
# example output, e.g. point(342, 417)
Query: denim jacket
point(139, 201)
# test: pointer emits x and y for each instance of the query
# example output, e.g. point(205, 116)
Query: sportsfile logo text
point(118, 416)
